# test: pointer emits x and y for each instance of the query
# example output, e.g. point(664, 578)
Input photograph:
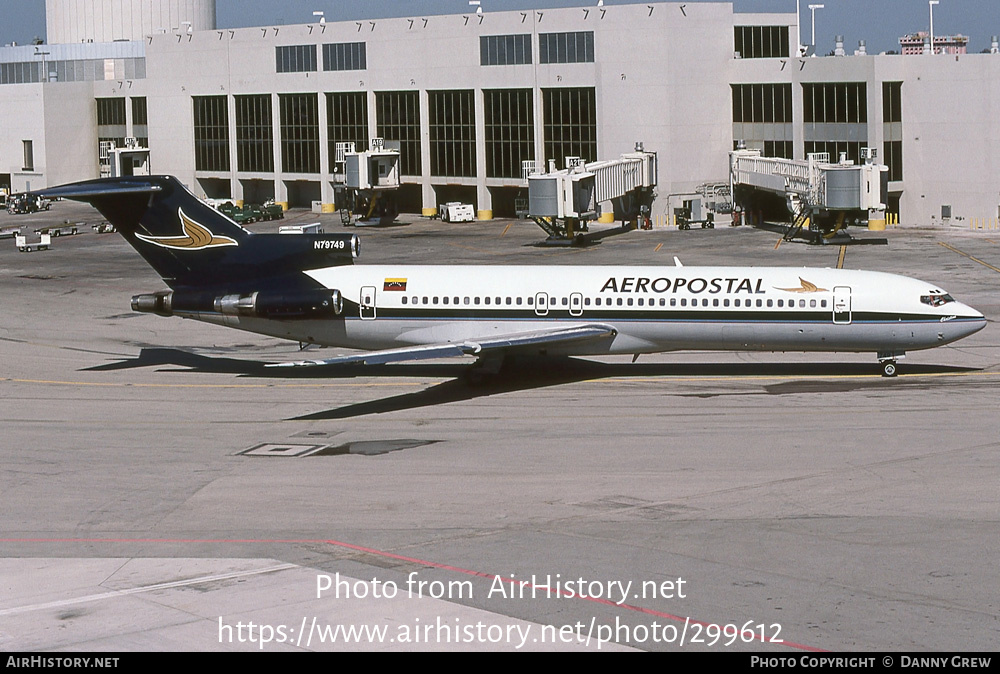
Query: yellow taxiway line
point(964, 254)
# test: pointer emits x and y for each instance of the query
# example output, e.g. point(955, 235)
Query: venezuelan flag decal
point(394, 285)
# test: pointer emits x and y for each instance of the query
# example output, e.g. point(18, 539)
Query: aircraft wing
point(470, 347)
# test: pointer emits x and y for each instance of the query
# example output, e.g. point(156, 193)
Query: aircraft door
point(542, 304)
point(367, 303)
point(842, 305)
point(576, 304)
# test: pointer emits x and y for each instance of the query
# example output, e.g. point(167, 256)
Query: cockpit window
point(936, 299)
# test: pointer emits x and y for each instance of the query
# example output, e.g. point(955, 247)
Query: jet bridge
point(816, 195)
point(563, 201)
point(366, 182)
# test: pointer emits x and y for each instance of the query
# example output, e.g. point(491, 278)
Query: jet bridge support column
point(876, 219)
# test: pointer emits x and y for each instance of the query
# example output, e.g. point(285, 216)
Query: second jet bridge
point(815, 193)
point(562, 201)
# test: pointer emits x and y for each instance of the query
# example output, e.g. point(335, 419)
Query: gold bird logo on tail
point(196, 237)
point(806, 287)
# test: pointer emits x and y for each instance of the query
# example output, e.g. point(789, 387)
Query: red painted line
point(414, 560)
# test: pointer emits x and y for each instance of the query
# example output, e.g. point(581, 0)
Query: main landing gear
point(887, 361)
point(484, 369)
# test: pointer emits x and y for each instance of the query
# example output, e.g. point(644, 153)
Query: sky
point(879, 22)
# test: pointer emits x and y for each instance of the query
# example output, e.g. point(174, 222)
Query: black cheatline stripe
point(592, 316)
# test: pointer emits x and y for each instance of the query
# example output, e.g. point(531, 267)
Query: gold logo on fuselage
point(196, 237)
point(806, 287)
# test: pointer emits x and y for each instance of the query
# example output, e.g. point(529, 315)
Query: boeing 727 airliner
point(305, 287)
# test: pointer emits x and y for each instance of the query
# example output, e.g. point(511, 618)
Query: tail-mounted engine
point(298, 304)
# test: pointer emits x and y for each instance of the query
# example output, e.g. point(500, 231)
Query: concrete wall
point(23, 119)
point(70, 132)
point(660, 78)
point(951, 135)
point(69, 21)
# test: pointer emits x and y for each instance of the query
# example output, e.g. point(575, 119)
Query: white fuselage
point(651, 309)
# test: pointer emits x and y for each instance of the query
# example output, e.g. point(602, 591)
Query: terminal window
point(254, 133)
point(111, 121)
point(111, 112)
point(569, 123)
point(566, 47)
point(510, 131)
point(836, 118)
point(762, 118)
point(345, 56)
point(20, 73)
point(211, 133)
point(761, 42)
point(504, 50)
point(397, 115)
point(892, 102)
point(347, 120)
point(892, 128)
point(762, 103)
point(300, 58)
point(835, 103)
point(140, 120)
point(299, 133)
point(837, 147)
point(452, 116)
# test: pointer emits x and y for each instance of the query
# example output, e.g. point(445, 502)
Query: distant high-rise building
point(919, 43)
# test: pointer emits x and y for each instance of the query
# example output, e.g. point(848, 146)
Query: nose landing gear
point(887, 361)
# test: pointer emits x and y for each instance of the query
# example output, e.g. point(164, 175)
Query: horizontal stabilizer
point(470, 347)
point(95, 189)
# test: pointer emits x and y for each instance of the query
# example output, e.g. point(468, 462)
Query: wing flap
point(471, 347)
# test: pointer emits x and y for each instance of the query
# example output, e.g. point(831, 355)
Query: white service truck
point(455, 211)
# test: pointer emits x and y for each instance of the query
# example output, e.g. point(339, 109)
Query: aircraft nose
point(971, 320)
point(965, 311)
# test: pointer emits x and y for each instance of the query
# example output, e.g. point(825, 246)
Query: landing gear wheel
point(889, 368)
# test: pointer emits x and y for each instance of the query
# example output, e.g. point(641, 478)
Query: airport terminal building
point(255, 113)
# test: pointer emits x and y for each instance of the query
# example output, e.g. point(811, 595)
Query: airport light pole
point(798, 27)
point(930, 5)
point(814, 8)
point(45, 72)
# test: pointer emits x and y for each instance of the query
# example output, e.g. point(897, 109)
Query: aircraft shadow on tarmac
point(525, 373)
point(812, 237)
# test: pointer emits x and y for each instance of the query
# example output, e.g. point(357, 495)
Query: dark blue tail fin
point(191, 245)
